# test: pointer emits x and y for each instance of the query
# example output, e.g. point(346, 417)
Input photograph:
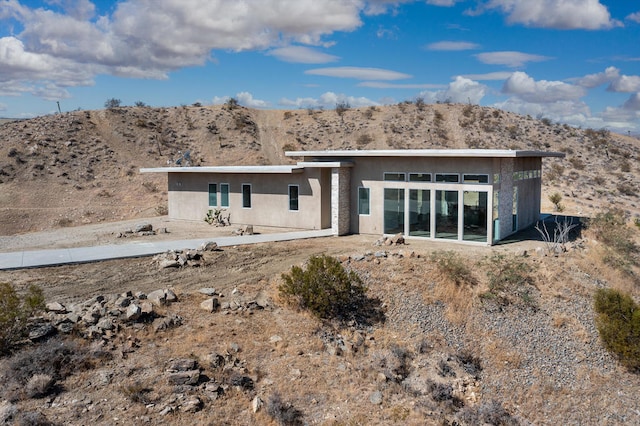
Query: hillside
point(82, 167)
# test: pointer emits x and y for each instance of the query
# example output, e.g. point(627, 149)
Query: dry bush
point(510, 280)
point(284, 414)
point(39, 385)
point(455, 286)
point(15, 311)
point(487, 413)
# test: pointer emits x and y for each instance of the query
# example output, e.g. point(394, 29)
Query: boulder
point(182, 364)
point(191, 405)
point(157, 297)
point(210, 305)
point(56, 307)
point(397, 239)
point(184, 377)
point(133, 312)
point(261, 299)
point(209, 291)
point(143, 227)
point(41, 331)
point(209, 246)
point(170, 296)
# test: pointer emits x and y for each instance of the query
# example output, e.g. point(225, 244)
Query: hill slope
point(82, 167)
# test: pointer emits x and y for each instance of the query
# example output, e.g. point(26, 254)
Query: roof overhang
point(436, 153)
point(227, 169)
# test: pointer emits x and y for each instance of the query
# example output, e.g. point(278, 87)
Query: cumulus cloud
point(542, 91)
point(635, 17)
point(247, 99)
point(509, 58)
point(460, 90)
point(359, 73)
point(302, 55)
point(327, 100)
point(633, 103)
point(625, 84)
point(572, 112)
point(558, 14)
point(594, 80)
point(452, 45)
point(149, 38)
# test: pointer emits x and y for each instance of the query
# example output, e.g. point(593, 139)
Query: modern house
point(472, 195)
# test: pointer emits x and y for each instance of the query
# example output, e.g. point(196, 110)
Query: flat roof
point(499, 153)
point(288, 169)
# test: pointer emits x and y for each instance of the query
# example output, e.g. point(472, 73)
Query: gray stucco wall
point(189, 198)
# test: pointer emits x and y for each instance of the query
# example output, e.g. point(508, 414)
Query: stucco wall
point(189, 199)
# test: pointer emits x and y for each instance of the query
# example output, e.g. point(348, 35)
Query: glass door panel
point(419, 212)
point(475, 216)
point(393, 210)
point(447, 214)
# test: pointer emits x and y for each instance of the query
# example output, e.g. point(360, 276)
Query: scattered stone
point(41, 330)
point(182, 364)
point(208, 291)
point(210, 305)
point(376, 398)
point(56, 307)
point(184, 377)
point(209, 246)
point(256, 404)
point(143, 227)
point(133, 312)
point(157, 297)
point(261, 299)
point(191, 405)
point(161, 324)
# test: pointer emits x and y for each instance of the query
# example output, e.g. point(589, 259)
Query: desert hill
point(82, 167)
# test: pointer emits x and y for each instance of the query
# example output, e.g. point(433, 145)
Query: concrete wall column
point(340, 200)
point(505, 207)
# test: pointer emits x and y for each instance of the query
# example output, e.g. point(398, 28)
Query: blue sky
point(573, 61)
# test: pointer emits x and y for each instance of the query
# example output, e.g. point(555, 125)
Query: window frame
point(214, 194)
point(297, 198)
point(428, 175)
point(464, 178)
point(403, 174)
point(246, 205)
point(368, 192)
point(457, 175)
point(222, 194)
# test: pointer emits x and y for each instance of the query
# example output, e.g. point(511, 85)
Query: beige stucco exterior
point(504, 199)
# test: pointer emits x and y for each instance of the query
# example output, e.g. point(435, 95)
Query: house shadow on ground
point(549, 229)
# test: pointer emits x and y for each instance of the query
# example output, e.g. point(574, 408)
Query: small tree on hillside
point(112, 103)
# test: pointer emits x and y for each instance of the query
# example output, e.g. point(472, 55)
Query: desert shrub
point(140, 104)
point(231, 104)
point(287, 115)
point(364, 140)
point(289, 147)
point(39, 385)
point(56, 358)
point(150, 186)
point(285, 414)
point(136, 392)
point(509, 279)
point(440, 391)
point(453, 267)
point(471, 364)
point(625, 166)
point(625, 188)
point(618, 322)
point(636, 222)
point(555, 199)
point(15, 311)
point(342, 107)
point(325, 288)
point(420, 103)
point(610, 228)
point(112, 103)
point(486, 413)
point(555, 171)
point(32, 418)
point(577, 163)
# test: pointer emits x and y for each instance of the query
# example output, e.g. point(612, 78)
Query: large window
point(224, 195)
point(364, 201)
point(393, 210)
point(293, 197)
point(394, 177)
point(213, 195)
point(475, 216)
point(246, 195)
point(448, 177)
point(420, 212)
point(447, 214)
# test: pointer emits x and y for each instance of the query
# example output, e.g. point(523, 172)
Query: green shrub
point(618, 322)
point(325, 288)
point(556, 198)
point(15, 311)
point(453, 267)
point(510, 280)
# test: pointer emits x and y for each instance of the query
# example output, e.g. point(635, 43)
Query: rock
point(182, 364)
point(379, 254)
point(146, 308)
point(168, 263)
point(214, 360)
point(133, 312)
point(256, 404)
point(170, 296)
point(191, 405)
point(210, 305)
point(376, 398)
point(8, 412)
point(123, 302)
point(184, 377)
point(65, 327)
point(160, 324)
point(56, 307)
point(275, 339)
point(397, 239)
point(209, 246)
point(157, 297)
point(208, 291)
point(143, 227)
point(41, 331)
point(247, 230)
point(105, 324)
point(261, 299)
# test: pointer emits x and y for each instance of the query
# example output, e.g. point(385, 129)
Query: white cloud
point(558, 14)
point(327, 100)
point(453, 45)
point(383, 85)
point(635, 17)
point(358, 73)
point(572, 112)
point(246, 99)
point(542, 91)
point(594, 80)
point(302, 55)
point(509, 58)
point(499, 75)
point(625, 84)
point(461, 90)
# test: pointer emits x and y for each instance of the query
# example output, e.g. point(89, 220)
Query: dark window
point(447, 177)
point(246, 195)
point(394, 177)
point(213, 195)
point(224, 195)
point(364, 201)
point(476, 178)
point(419, 177)
point(293, 197)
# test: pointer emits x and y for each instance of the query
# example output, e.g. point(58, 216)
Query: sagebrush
point(15, 311)
point(324, 288)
